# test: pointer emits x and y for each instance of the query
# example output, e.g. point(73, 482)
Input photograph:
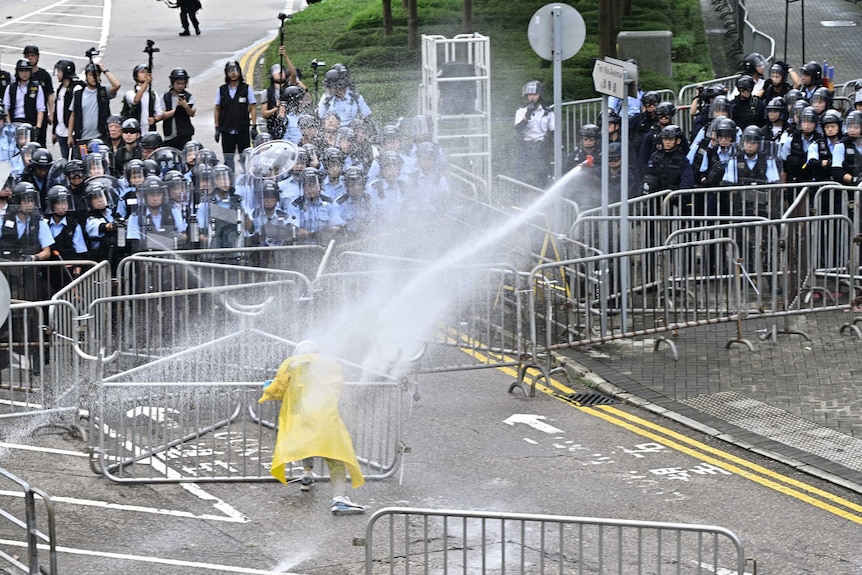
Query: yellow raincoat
point(309, 425)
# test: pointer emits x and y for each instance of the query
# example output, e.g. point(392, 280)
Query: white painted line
point(533, 421)
point(106, 25)
point(134, 508)
point(67, 15)
point(58, 24)
point(42, 449)
point(161, 466)
point(528, 440)
point(14, 21)
point(49, 36)
point(145, 559)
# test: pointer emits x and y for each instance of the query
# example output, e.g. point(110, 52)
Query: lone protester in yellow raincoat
point(309, 424)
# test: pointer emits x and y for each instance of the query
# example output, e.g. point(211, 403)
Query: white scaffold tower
point(455, 96)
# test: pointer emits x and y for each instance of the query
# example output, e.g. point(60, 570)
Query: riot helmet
point(206, 156)
point(752, 135)
point(390, 158)
point(67, 67)
point(754, 64)
point(332, 156)
point(24, 133)
point(151, 141)
point(779, 71)
point(131, 126)
point(27, 151)
point(533, 87)
point(853, 124)
point(306, 121)
point(814, 72)
point(821, 99)
point(615, 152)
point(292, 96)
point(59, 200)
point(311, 182)
point(745, 83)
point(151, 168)
point(99, 196)
point(190, 152)
point(332, 80)
point(311, 154)
point(831, 122)
point(666, 109)
point(74, 170)
point(23, 65)
point(590, 131)
point(651, 98)
point(177, 186)
point(354, 177)
point(153, 187)
point(167, 158)
point(262, 138)
point(41, 158)
point(724, 128)
point(178, 74)
point(24, 192)
point(95, 165)
point(720, 107)
point(671, 131)
point(232, 66)
point(796, 111)
point(134, 172)
point(809, 116)
point(223, 177)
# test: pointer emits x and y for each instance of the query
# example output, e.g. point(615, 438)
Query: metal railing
point(406, 540)
point(27, 532)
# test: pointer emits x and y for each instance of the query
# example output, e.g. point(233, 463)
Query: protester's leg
point(341, 503)
point(307, 479)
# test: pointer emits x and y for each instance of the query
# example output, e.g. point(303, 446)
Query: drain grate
point(589, 399)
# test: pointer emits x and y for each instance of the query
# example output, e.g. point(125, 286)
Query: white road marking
point(533, 421)
point(528, 440)
point(135, 508)
point(145, 559)
point(42, 449)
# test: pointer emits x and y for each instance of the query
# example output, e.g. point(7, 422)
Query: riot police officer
point(534, 124)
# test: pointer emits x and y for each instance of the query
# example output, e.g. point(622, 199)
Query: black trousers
point(187, 14)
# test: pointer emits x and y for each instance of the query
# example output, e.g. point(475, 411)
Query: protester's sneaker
point(306, 482)
point(342, 505)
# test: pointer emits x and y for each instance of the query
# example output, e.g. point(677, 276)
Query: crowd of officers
point(776, 126)
point(121, 186)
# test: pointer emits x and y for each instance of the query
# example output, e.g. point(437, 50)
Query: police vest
point(180, 117)
point(756, 175)
point(796, 158)
point(30, 93)
point(746, 114)
point(852, 163)
point(63, 240)
point(233, 115)
point(167, 221)
point(668, 168)
point(13, 247)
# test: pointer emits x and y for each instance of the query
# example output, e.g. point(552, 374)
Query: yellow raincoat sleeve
point(309, 423)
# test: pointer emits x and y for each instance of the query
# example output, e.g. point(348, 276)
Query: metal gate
point(21, 526)
point(405, 540)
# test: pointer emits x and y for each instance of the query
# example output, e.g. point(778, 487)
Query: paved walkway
point(797, 401)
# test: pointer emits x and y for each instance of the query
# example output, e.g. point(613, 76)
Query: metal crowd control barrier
point(483, 316)
point(145, 326)
point(406, 540)
point(584, 301)
point(194, 416)
point(22, 523)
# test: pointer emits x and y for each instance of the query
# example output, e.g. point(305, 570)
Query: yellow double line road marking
point(684, 444)
point(248, 62)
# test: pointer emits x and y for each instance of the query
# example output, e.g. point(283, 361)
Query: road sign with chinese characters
point(609, 79)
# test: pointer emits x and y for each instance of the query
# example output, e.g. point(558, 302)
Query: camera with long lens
point(151, 47)
point(315, 64)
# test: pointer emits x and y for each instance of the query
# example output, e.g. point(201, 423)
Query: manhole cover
point(837, 23)
point(589, 399)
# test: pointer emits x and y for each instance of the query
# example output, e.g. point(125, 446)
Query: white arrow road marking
point(533, 421)
point(157, 414)
point(719, 570)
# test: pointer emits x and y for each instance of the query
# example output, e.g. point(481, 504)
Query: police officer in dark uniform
point(668, 168)
point(643, 122)
point(747, 109)
point(776, 120)
point(590, 135)
point(847, 156)
point(812, 78)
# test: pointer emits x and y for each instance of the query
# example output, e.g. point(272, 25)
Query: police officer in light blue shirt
point(158, 225)
point(315, 215)
point(340, 97)
point(356, 205)
point(8, 148)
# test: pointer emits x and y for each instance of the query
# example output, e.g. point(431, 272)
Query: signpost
point(612, 77)
point(557, 32)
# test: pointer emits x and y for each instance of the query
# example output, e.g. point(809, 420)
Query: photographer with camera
point(90, 106)
point(534, 124)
